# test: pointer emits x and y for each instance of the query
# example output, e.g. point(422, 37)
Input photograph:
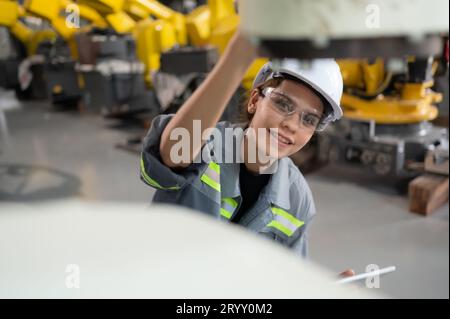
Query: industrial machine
point(159, 29)
point(209, 28)
point(179, 50)
point(390, 51)
point(55, 57)
point(11, 53)
point(346, 29)
point(215, 24)
point(90, 48)
point(387, 126)
point(20, 39)
point(113, 75)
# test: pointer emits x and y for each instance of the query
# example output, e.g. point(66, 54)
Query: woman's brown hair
point(245, 116)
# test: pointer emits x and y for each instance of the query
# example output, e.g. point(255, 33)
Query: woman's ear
point(254, 97)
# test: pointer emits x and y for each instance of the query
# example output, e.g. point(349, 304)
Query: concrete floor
point(49, 156)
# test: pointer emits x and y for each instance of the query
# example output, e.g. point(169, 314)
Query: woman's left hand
point(347, 273)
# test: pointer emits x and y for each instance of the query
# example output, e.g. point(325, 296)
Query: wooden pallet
point(427, 193)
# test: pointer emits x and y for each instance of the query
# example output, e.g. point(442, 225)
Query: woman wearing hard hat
point(288, 104)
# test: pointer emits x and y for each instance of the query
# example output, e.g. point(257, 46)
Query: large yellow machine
point(374, 93)
point(388, 107)
point(160, 29)
point(14, 36)
point(215, 24)
point(57, 13)
point(155, 27)
point(10, 12)
point(113, 13)
point(21, 40)
point(57, 47)
point(108, 62)
point(12, 15)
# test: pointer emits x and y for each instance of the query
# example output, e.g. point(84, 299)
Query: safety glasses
point(284, 106)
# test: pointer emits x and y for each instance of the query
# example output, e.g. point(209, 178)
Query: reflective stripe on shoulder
point(211, 177)
point(284, 222)
point(152, 182)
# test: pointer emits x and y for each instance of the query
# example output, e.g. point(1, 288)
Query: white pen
point(367, 275)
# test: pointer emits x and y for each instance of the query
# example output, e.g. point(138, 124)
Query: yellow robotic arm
point(364, 99)
point(10, 12)
point(87, 13)
point(114, 13)
point(154, 37)
point(55, 12)
point(210, 21)
point(50, 11)
point(145, 8)
point(215, 24)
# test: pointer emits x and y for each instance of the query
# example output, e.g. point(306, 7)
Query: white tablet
point(366, 275)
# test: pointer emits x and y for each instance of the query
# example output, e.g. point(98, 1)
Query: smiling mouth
point(280, 139)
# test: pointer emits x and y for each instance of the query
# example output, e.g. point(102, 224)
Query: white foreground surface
point(127, 251)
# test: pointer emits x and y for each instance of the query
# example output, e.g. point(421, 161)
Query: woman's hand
point(241, 44)
point(244, 41)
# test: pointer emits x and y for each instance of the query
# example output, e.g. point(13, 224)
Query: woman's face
point(291, 134)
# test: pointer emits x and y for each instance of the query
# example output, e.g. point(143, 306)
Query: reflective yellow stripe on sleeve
point(284, 222)
point(152, 182)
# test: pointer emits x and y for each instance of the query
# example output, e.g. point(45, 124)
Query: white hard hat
point(322, 75)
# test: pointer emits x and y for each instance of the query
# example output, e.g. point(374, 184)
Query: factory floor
point(48, 156)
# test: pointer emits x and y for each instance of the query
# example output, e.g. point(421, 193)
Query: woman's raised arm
point(209, 101)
